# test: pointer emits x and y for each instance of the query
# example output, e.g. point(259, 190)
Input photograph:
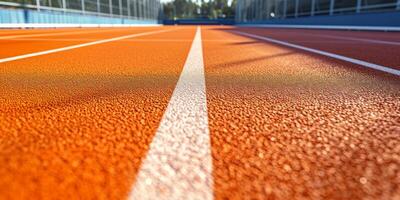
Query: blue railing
point(27, 16)
point(363, 19)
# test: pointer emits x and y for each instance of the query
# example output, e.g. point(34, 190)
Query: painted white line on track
point(178, 164)
point(333, 27)
point(132, 40)
point(88, 39)
point(80, 45)
point(332, 55)
point(54, 25)
point(354, 39)
point(68, 32)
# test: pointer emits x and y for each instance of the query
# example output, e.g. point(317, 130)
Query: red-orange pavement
point(76, 124)
point(10, 32)
point(290, 125)
point(284, 124)
point(382, 54)
point(61, 31)
point(56, 39)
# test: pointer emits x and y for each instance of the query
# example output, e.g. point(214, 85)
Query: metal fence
point(256, 10)
point(128, 9)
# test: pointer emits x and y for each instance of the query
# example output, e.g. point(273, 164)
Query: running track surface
point(283, 123)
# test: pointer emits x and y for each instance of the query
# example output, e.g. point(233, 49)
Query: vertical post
point(50, 3)
point(158, 10)
point(259, 9)
point(243, 11)
point(64, 5)
point(145, 9)
point(252, 12)
point(296, 9)
point(332, 7)
point(38, 5)
point(140, 6)
point(148, 9)
point(129, 7)
point(110, 7)
point(148, 6)
point(120, 7)
point(151, 9)
point(255, 14)
point(83, 6)
point(284, 8)
point(236, 11)
point(398, 5)
point(358, 6)
point(98, 6)
point(240, 10)
point(134, 8)
point(313, 7)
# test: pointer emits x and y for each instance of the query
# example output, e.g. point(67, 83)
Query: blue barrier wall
point(363, 19)
point(33, 16)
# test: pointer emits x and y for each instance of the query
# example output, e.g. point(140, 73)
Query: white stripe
point(51, 25)
point(178, 164)
point(136, 40)
point(363, 28)
point(72, 32)
point(339, 57)
point(354, 39)
point(79, 45)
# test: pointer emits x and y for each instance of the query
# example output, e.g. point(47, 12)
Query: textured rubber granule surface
point(382, 54)
point(76, 124)
point(29, 43)
point(287, 125)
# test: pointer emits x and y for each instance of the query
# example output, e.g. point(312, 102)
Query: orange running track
point(283, 123)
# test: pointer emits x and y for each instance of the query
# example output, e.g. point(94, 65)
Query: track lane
point(286, 124)
point(15, 47)
point(378, 53)
point(6, 33)
point(77, 123)
point(375, 35)
point(13, 32)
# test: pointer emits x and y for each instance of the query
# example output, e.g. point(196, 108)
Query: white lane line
point(178, 164)
point(355, 39)
point(332, 55)
point(53, 25)
point(88, 39)
point(134, 40)
point(365, 28)
point(69, 32)
point(80, 45)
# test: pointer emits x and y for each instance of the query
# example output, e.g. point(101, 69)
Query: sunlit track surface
point(291, 125)
point(77, 123)
point(16, 44)
point(376, 47)
point(283, 123)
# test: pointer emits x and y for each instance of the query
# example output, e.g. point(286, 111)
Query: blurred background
point(311, 12)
